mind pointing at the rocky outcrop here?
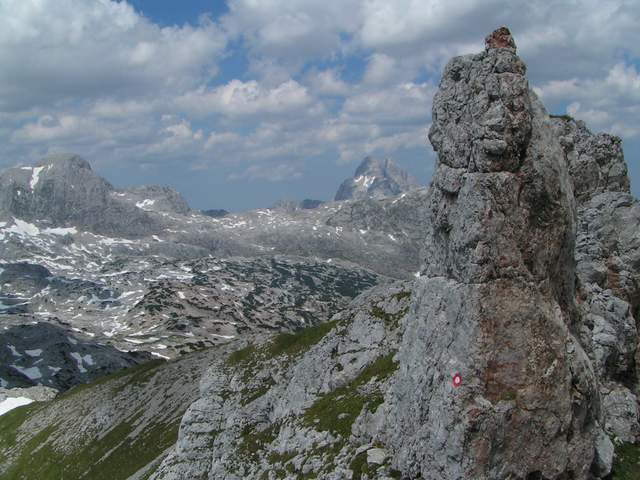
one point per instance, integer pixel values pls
(513, 356)
(495, 363)
(215, 213)
(157, 198)
(608, 269)
(117, 428)
(496, 302)
(375, 178)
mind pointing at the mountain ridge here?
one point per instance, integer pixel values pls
(375, 178)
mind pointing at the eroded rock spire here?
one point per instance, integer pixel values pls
(496, 303)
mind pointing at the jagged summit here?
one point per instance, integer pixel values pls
(375, 178)
(503, 360)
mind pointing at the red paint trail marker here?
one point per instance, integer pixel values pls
(457, 380)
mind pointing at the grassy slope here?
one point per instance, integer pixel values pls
(110, 429)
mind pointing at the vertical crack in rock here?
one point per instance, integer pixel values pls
(496, 301)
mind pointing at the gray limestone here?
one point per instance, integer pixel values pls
(375, 178)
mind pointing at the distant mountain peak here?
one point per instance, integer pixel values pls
(376, 177)
(62, 190)
(65, 160)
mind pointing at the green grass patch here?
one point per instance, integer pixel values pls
(627, 462)
(391, 320)
(253, 441)
(402, 295)
(249, 358)
(115, 456)
(9, 424)
(337, 410)
(295, 343)
(250, 394)
(244, 355)
(359, 466)
(138, 371)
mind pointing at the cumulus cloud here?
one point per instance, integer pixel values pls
(328, 82)
(238, 98)
(610, 102)
(309, 81)
(404, 103)
(70, 49)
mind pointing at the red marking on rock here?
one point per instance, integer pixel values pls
(457, 380)
(500, 38)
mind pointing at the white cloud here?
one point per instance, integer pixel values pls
(610, 102)
(238, 98)
(381, 69)
(293, 31)
(333, 79)
(52, 128)
(70, 49)
(401, 104)
(328, 82)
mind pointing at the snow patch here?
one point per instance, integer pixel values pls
(23, 228)
(34, 353)
(61, 231)
(35, 177)
(13, 402)
(145, 204)
(364, 180)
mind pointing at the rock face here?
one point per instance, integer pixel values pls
(173, 307)
(215, 213)
(63, 190)
(376, 178)
(154, 197)
(608, 274)
(513, 355)
(496, 302)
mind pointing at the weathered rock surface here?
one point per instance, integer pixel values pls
(100, 222)
(608, 270)
(376, 178)
(288, 407)
(63, 190)
(512, 356)
(496, 300)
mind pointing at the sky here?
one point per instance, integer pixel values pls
(240, 103)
